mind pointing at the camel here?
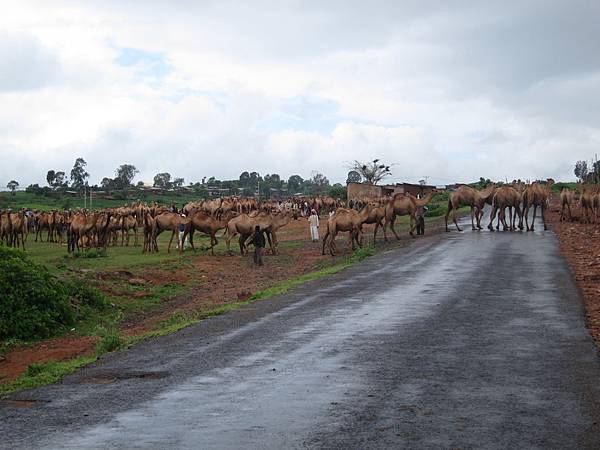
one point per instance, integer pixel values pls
(149, 227)
(402, 205)
(128, 223)
(596, 205)
(348, 220)
(244, 225)
(85, 225)
(167, 221)
(506, 197)
(467, 196)
(206, 224)
(5, 227)
(377, 217)
(536, 195)
(587, 206)
(567, 198)
(19, 229)
(45, 221)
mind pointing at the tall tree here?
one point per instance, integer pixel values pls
(60, 180)
(162, 180)
(50, 176)
(244, 179)
(581, 170)
(295, 183)
(178, 182)
(124, 175)
(372, 172)
(318, 183)
(13, 185)
(78, 174)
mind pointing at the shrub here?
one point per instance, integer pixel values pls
(34, 303)
(84, 294)
(109, 343)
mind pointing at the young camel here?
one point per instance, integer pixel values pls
(506, 197)
(402, 205)
(567, 198)
(348, 220)
(19, 229)
(467, 196)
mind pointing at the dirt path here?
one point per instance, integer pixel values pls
(580, 243)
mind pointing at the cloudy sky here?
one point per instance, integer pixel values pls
(451, 90)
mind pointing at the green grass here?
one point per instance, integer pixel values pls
(47, 203)
(46, 373)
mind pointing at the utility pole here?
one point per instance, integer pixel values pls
(90, 199)
(426, 178)
(84, 196)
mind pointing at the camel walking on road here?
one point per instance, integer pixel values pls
(404, 205)
(467, 196)
(536, 195)
(506, 197)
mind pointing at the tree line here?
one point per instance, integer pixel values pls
(249, 183)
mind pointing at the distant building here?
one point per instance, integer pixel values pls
(357, 191)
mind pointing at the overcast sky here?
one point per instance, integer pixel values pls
(451, 90)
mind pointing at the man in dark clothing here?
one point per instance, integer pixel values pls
(259, 243)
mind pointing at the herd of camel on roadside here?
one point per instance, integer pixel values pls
(238, 217)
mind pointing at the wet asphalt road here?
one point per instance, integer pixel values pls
(464, 340)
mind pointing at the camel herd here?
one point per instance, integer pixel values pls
(238, 217)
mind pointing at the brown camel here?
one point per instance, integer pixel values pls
(467, 196)
(205, 223)
(377, 217)
(90, 226)
(567, 198)
(596, 206)
(344, 220)
(5, 227)
(244, 225)
(536, 195)
(506, 197)
(587, 205)
(18, 229)
(129, 223)
(402, 205)
(167, 221)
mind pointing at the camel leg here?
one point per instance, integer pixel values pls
(492, 217)
(392, 224)
(473, 218)
(171, 241)
(533, 218)
(332, 245)
(454, 208)
(448, 214)
(413, 225)
(543, 208)
(325, 241)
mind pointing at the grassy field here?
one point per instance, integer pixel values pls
(47, 203)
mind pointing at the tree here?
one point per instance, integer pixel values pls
(60, 180)
(50, 176)
(162, 180)
(372, 172)
(317, 183)
(581, 170)
(295, 183)
(178, 182)
(353, 177)
(338, 191)
(124, 175)
(78, 174)
(106, 183)
(244, 179)
(13, 185)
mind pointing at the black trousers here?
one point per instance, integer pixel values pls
(258, 256)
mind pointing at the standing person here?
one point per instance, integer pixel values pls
(259, 243)
(181, 233)
(313, 221)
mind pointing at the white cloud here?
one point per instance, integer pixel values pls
(215, 88)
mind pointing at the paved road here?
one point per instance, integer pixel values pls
(465, 340)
